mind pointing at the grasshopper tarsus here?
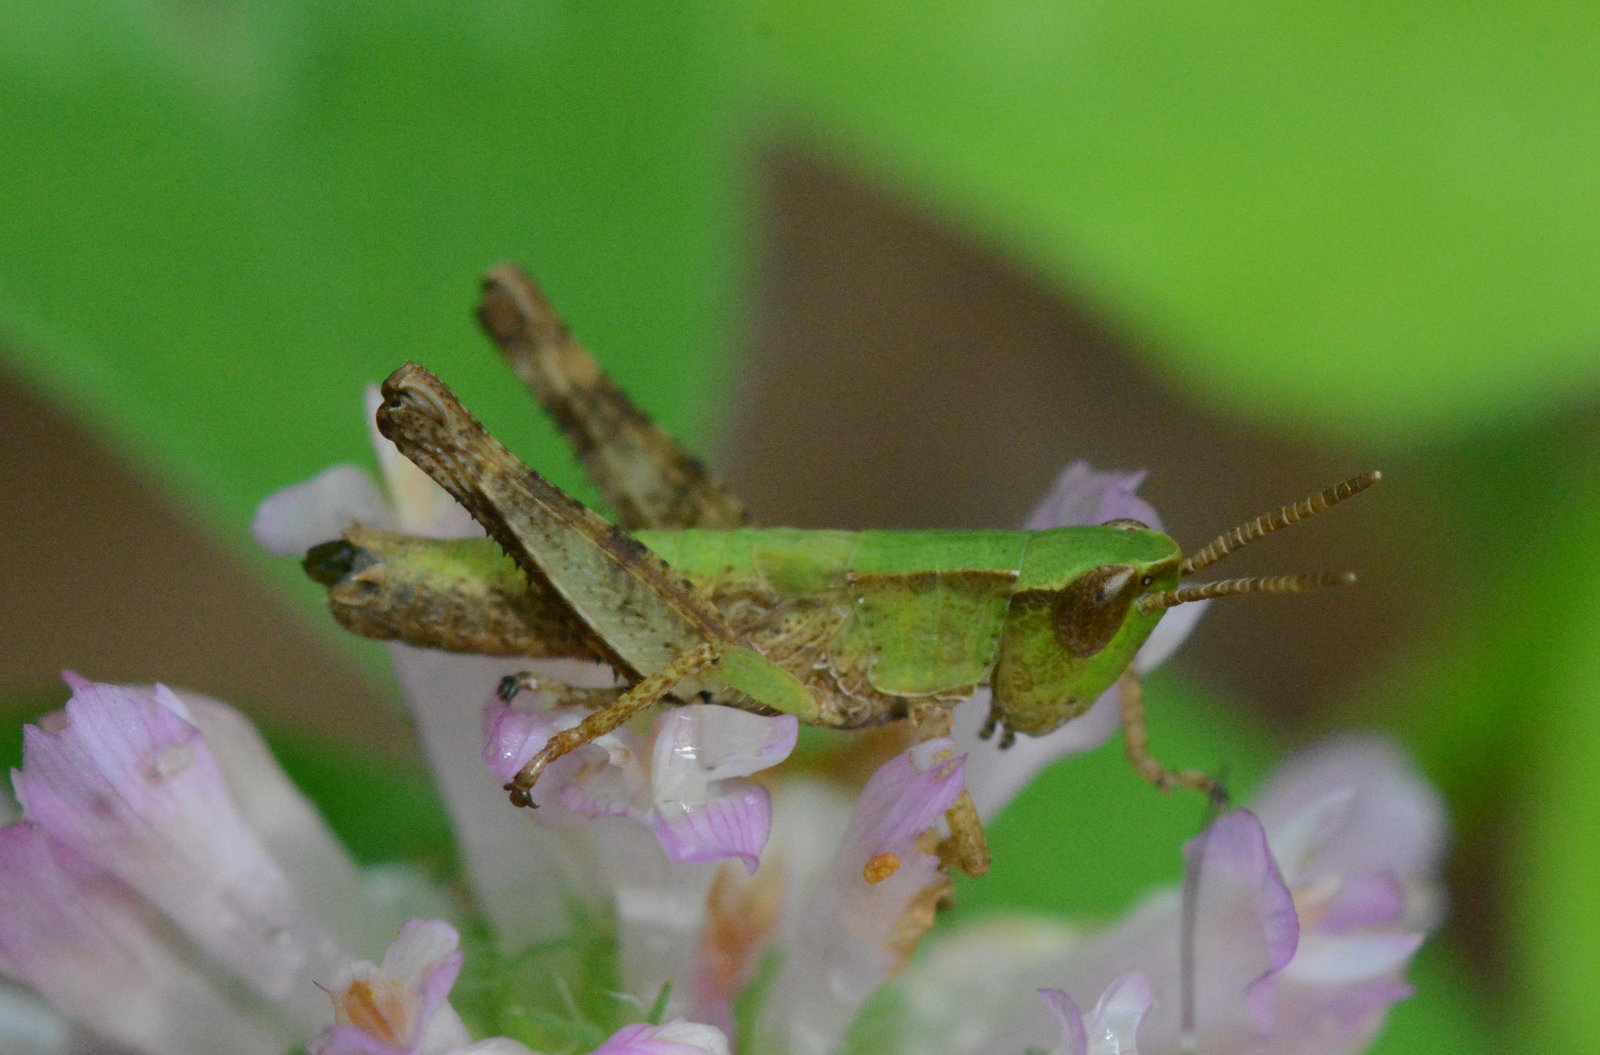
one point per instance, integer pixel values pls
(513, 685)
(521, 797)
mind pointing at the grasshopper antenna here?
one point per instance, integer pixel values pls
(1188, 1033)
(1245, 534)
(1201, 591)
(1288, 516)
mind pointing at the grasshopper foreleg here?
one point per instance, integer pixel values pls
(1136, 740)
(966, 847)
(649, 692)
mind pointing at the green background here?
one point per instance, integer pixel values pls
(1376, 222)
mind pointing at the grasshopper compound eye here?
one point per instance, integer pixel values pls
(1091, 610)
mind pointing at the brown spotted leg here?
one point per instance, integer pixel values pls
(1136, 739)
(966, 847)
(646, 694)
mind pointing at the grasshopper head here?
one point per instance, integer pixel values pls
(1093, 595)
(1075, 619)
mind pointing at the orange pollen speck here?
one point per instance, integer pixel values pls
(880, 867)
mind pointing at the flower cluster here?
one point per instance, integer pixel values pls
(168, 890)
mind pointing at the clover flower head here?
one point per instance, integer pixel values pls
(1304, 919)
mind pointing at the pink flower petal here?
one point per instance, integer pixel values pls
(127, 782)
(1306, 968)
(872, 904)
(1241, 889)
(1074, 1034)
(735, 823)
(698, 812)
(1374, 899)
(1394, 823)
(99, 953)
(513, 737)
(678, 1037)
(689, 794)
(905, 797)
(1083, 495)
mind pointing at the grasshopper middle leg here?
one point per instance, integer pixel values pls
(1136, 739)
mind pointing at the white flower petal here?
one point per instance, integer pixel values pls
(401, 1006)
(291, 521)
(29, 1025)
(699, 744)
(522, 872)
(1175, 626)
(496, 1046)
(954, 1009)
(1395, 823)
(1115, 1021)
(994, 776)
(1322, 960)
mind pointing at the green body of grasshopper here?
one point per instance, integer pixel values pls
(1047, 618)
(841, 629)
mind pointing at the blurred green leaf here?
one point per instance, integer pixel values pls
(1368, 218)
(1500, 707)
(222, 220)
(1445, 1015)
(382, 811)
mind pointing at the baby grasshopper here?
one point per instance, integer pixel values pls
(844, 629)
